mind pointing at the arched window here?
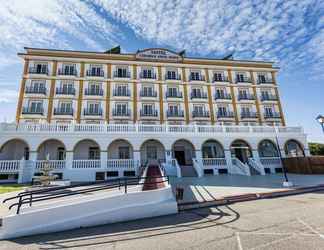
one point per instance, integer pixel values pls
(212, 149)
(294, 149)
(267, 149)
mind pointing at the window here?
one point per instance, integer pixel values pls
(96, 70)
(95, 88)
(122, 90)
(218, 76)
(40, 68)
(67, 87)
(121, 108)
(245, 110)
(93, 108)
(220, 93)
(243, 93)
(36, 106)
(26, 153)
(174, 109)
(172, 75)
(121, 72)
(94, 153)
(196, 92)
(147, 73)
(240, 77)
(261, 78)
(222, 111)
(148, 109)
(147, 91)
(38, 85)
(268, 111)
(172, 91)
(265, 95)
(198, 109)
(66, 107)
(69, 69)
(195, 75)
(124, 152)
(60, 153)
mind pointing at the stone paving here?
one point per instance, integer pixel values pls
(213, 187)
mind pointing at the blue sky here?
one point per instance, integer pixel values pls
(291, 33)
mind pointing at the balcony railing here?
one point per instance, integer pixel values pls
(197, 78)
(117, 112)
(224, 96)
(29, 110)
(170, 113)
(95, 73)
(246, 97)
(220, 79)
(172, 77)
(97, 92)
(274, 115)
(147, 76)
(62, 111)
(269, 98)
(243, 79)
(121, 74)
(148, 93)
(91, 112)
(53, 128)
(200, 114)
(246, 115)
(65, 91)
(265, 81)
(35, 90)
(35, 70)
(178, 94)
(117, 92)
(154, 113)
(202, 95)
(228, 114)
(67, 72)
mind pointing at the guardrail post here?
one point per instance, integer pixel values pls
(125, 186)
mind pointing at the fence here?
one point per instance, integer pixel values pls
(304, 165)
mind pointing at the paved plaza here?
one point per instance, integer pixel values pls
(213, 187)
(295, 222)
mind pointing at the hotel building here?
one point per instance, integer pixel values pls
(97, 115)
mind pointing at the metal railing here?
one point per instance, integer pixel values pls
(227, 114)
(35, 70)
(224, 96)
(220, 79)
(154, 113)
(121, 74)
(180, 113)
(202, 95)
(265, 81)
(172, 77)
(177, 94)
(89, 91)
(67, 72)
(46, 194)
(97, 112)
(35, 90)
(200, 114)
(245, 97)
(95, 73)
(62, 111)
(147, 76)
(246, 115)
(65, 91)
(269, 97)
(243, 79)
(117, 92)
(117, 112)
(197, 78)
(274, 115)
(148, 93)
(29, 110)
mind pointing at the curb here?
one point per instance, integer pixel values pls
(248, 197)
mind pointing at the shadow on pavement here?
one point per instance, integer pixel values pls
(132, 230)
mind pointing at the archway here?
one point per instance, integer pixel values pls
(183, 151)
(241, 150)
(120, 149)
(14, 149)
(267, 149)
(86, 150)
(51, 149)
(212, 149)
(152, 150)
(294, 149)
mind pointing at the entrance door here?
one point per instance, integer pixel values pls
(151, 153)
(241, 154)
(180, 156)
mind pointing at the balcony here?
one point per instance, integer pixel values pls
(243, 79)
(197, 78)
(227, 114)
(179, 113)
(67, 72)
(117, 112)
(92, 112)
(269, 97)
(154, 113)
(249, 115)
(147, 75)
(245, 97)
(220, 79)
(65, 91)
(37, 70)
(35, 90)
(148, 93)
(223, 96)
(121, 74)
(273, 115)
(62, 111)
(201, 95)
(124, 92)
(200, 114)
(95, 73)
(177, 94)
(265, 81)
(93, 92)
(33, 111)
(173, 77)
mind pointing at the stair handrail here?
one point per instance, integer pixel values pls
(198, 167)
(254, 164)
(242, 166)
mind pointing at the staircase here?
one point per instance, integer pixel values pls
(188, 171)
(256, 168)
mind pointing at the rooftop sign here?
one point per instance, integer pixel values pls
(158, 55)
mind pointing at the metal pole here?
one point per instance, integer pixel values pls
(280, 156)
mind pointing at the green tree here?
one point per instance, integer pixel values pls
(316, 148)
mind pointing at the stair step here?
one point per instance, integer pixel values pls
(188, 171)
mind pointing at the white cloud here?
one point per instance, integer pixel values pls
(8, 96)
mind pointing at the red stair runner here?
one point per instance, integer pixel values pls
(153, 175)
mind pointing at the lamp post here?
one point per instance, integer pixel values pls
(320, 120)
(286, 182)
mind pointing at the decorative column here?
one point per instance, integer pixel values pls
(229, 72)
(103, 159)
(185, 95)
(257, 104)
(79, 111)
(51, 94)
(68, 159)
(210, 98)
(137, 160)
(228, 157)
